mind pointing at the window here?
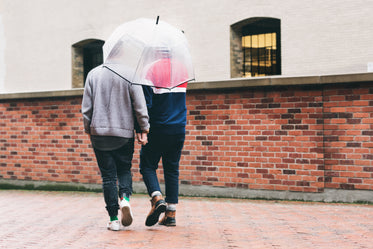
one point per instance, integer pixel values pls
(86, 55)
(256, 48)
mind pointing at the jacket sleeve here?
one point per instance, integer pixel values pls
(139, 108)
(87, 106)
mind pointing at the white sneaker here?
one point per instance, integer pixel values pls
(127, 216)
(113, 225)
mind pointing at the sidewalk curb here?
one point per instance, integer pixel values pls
(329, 195)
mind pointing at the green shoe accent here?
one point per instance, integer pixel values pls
(113, 218)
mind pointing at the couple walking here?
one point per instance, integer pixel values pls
(113, 111)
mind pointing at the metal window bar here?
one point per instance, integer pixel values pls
(259, 59)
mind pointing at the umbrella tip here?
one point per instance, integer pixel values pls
(157, 20)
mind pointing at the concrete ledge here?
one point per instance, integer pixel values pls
(43, 94)
(346, 78)
(221, 85)
(281, 81)
(329, 195)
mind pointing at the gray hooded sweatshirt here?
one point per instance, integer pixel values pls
(112, 105)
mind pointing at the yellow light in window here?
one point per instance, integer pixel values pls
(261, 40)
(274, 40)
(246, 41)
(255, 41)
(268, 39)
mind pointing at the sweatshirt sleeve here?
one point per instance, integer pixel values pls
(87, 106)
(139, 108)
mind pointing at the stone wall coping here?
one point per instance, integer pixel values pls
(220, 85)
(42, 94)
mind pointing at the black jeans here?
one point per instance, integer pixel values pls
(115, 166)
(167, 147)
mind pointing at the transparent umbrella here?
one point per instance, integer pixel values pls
(149, 52)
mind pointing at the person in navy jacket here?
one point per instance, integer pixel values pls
(167, 117)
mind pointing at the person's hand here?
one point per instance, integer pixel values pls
(142, 138)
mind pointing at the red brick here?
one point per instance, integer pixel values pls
(45, 128)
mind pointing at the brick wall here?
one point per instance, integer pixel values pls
(301, 138)
(258, 139)
(348, 136)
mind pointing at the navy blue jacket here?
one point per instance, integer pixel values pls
(167, 109)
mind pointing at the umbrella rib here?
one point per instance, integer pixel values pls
(117, 74)
(169, 88)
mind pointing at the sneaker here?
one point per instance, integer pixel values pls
(127, 216)
(158, 207)
(113, 225)
(168, 219)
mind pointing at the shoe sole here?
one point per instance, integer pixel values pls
(154, 217)
(168, 224)
(126, 216)
(110, 229)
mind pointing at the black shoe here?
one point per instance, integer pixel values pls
(168, 219)
(158, 207)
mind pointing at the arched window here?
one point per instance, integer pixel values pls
(256, 47)
(86, 55)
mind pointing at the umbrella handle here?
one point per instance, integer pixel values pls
(157, 20)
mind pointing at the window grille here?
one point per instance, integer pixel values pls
(261, 48)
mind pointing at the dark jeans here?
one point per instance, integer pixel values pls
(115, 165)
(167, 147)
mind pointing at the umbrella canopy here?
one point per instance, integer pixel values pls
(148, 52)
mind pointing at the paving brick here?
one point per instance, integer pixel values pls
(40, 219)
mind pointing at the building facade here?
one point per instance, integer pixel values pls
(43, 44)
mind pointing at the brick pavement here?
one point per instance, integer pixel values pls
(33, 219)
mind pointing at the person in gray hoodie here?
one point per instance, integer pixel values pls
(112, 110)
